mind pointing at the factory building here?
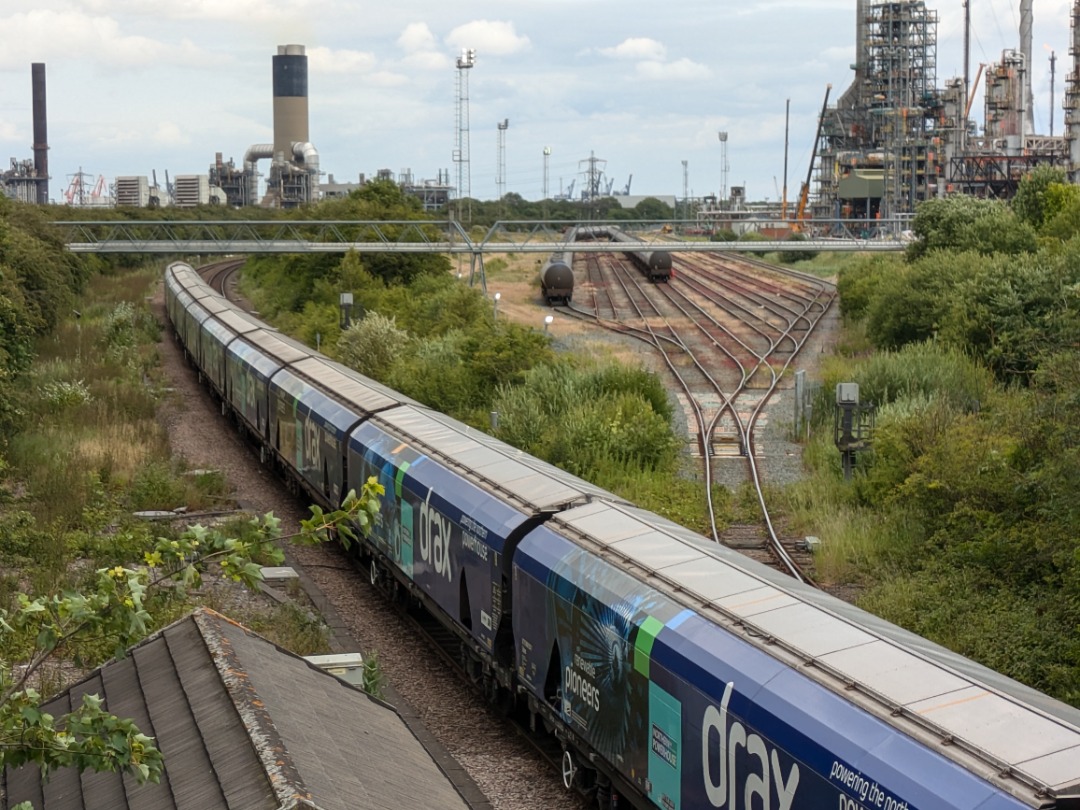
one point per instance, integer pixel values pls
(293, 177)
(894, 138)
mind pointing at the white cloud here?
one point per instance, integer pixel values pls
(680, 69)
(417, 37)
(637, 48)
(488, 37)
(46, 34)
(246, 12)
(169, 133)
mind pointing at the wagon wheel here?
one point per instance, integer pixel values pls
(569, 770)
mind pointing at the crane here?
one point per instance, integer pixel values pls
(804, 192)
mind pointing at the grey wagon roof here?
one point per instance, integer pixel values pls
(242, 724)
(531, 482)
(930, 693)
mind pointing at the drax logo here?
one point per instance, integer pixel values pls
(435, 540)
(760, 771)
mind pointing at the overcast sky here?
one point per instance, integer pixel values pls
(138, 85)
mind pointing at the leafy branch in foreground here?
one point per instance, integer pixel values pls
(115, 609)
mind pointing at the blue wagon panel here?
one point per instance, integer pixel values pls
(247, 381)
(694, 714)
(214, 338)
(445, 533)
(310, 430)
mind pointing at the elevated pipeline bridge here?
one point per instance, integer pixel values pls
(314, 236)
(249, 237)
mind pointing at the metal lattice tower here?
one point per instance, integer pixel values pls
(465, 62)
(500, 166)
(594, 177)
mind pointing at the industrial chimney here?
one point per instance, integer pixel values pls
(41, 133)
(1026, 24)
(290, 100)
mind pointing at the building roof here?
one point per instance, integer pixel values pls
(243, 725)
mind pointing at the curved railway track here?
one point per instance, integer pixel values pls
(726, 330)
(222, 276)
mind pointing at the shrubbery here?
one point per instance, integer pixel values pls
(961, 519)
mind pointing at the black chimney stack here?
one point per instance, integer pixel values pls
(41, 132)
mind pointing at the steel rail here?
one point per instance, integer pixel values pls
(790, 318)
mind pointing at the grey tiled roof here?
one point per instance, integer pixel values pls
(243, 725)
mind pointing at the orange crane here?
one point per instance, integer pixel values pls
(804, 192)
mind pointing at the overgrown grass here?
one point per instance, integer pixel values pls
(91, 451)
(88, 427)
(826, 264)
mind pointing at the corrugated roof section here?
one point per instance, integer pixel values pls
(243, 725)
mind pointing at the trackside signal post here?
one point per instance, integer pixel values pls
(854, 426)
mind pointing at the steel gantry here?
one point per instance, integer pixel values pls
(446, 237)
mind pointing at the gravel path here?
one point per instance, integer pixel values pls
(508, 773)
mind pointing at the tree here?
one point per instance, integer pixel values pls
(966, 223)
(653, 209)
(115, 609)
(1030, 203)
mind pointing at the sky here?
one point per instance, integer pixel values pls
(137, 86)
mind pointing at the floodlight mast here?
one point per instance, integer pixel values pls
(723, 167)
(500, 159)
(465, 62)
(547, 160)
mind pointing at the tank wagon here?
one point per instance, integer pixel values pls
(655, 264)
(674, 672)
(557, 278)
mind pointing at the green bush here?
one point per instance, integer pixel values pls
(372, 345)
(796, 256)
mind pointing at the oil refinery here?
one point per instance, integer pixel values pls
(896, 135)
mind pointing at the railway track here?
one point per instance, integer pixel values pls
(726, 330)
(222, 276)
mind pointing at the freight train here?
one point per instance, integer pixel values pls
(557, 274)
(675, 673)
